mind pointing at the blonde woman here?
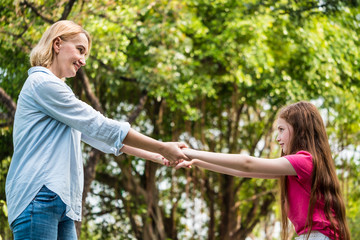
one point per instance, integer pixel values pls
(45, 180)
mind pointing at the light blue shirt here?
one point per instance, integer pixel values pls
(50, 123)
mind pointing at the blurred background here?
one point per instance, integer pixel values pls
(210, 73)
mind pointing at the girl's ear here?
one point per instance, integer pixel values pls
(57, 45)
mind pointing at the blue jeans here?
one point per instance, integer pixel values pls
(44, 218)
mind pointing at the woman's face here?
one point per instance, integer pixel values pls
(285, 131)
(69, 55)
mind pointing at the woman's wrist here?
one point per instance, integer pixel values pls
(162, 148)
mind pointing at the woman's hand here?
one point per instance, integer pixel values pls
(173, 153)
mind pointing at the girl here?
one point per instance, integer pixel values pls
(45, 180)
(310, 189)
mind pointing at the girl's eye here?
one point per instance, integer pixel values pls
(80, 50)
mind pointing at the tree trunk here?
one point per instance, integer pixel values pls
(10, 105)
(153, 222)
(89, 176)
(227, 203)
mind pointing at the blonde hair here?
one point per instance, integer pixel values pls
(43, 53)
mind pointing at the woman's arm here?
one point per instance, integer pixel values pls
(223, 170)
(170, 150)
(248, 164)
(154, 157)
(57, 101)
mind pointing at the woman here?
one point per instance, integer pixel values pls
(310, 190)
(45, 180)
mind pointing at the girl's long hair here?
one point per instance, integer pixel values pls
(310, 135)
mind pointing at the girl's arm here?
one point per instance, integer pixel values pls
(248, 164)
(224, 170)
(137, 152)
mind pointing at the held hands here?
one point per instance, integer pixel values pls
(172, 152)
(187, 163)
(174, 156)
(181, 164)
(193, 159)
(157, 158)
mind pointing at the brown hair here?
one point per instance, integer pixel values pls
(309, 134)
(43, 53)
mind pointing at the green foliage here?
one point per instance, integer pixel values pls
(214, 73)
(6, 151)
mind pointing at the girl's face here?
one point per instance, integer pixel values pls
(285, 131)
(69, 55)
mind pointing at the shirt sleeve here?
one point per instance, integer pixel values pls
(302, 163)
(57, 100)
(100, 145)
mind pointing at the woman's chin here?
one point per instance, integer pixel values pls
(70, 75)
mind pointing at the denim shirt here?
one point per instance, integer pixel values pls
(50, 123)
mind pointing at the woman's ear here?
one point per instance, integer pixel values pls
(57, 45)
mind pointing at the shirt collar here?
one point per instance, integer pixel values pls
(40, 69)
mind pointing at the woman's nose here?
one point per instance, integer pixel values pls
(82, 61)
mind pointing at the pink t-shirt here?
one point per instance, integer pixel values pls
(298, 188)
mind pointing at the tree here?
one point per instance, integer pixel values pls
(211, 73)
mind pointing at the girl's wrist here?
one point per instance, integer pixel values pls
(195, 162)
(190, 153)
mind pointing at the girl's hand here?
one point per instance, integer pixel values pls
(166, 162)
(184, 164)
(161, 160)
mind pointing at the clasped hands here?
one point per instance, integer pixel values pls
(174, 155)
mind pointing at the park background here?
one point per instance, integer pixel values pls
(211, 73)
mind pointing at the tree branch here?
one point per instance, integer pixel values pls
(253, 219)
(19, 36)
(89, 176)
(254, 197)
(67, 9)
(109, 68)
(138, 107)
(3, 125)
(37, 12)
(8, 103)
(89, 94)
(127, 207)
(311, 6)
(94, 156)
